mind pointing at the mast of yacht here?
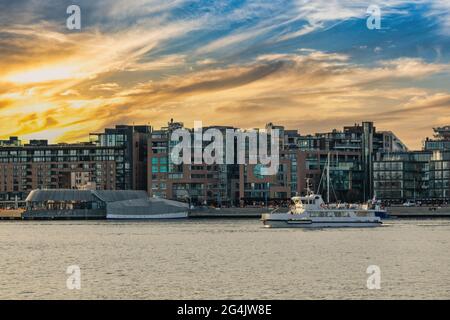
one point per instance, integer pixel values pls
(328, 178)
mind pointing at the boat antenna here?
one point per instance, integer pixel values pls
(308, 186)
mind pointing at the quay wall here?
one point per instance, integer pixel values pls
(424, 211)
(76, 214)
(230, 212)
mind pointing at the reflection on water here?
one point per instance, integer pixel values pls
(222, 259)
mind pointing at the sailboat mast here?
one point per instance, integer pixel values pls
(328, 178)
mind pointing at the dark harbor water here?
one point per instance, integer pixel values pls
(222, 259)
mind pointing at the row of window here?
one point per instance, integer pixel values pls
(159, 160)
(60, 159)
(59, 152)
(160, 169)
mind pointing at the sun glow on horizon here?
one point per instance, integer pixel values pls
(46, 74)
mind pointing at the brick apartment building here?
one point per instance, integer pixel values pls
(38, 165)
(113, 160)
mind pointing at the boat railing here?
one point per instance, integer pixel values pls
(274, 210)
(342, 206)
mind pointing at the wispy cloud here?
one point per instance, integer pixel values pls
(111, 86)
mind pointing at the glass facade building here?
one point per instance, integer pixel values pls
(440, 175)
(134, 141)
(402, 176)
(416, 175)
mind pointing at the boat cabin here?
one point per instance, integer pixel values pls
(309, 202)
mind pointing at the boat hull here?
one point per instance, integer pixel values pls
(382, 214)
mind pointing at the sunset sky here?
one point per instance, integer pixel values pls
(308, 65)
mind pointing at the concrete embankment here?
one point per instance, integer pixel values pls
(77, 214)
(228, 212)
(394, 212)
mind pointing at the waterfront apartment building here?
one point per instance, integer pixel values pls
(416, 175)
(355, 148)
(217, 184)
(39, 165)
(133, 139)
(351, 151)
(199, 183)
(115, 159)
(401, 176)
(298, 165)
(439, 175)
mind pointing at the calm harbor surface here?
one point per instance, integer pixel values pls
(222, 259)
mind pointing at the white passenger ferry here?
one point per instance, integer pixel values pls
(310, 211)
